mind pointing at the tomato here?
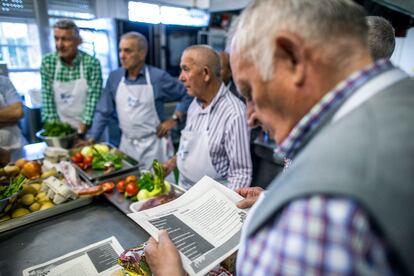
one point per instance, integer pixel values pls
(120, 186)
(77, 157)
(108, 186)
(131, 189)
(88, 160)
(131, 178)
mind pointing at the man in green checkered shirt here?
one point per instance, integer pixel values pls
(71, 80)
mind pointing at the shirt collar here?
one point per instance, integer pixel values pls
(326, 107)
(222, 90)
(140, 74)
(76, 61)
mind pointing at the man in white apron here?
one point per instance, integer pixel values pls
(71, 80)
(10, 113)
(137, 93)
(138, 120)
(215, 141)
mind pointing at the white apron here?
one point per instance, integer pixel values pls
(70, 97)
(193, 157)
(10, 135)
(138, 120)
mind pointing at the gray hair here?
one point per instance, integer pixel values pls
(208, 56)
(140, 38)
(330, 25)
(381, 37)
(67, 24)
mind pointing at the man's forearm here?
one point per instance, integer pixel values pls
(11, 114)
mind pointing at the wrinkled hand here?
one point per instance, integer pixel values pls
(170, 165)
(163, 257)
(165, 127)
(250, 194)
(252, 119)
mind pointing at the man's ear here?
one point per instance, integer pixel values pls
(207, 73)
(291, 49)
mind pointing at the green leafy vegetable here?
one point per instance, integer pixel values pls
(159, 176)
(57, 129)
(100, 160)
(146, 181)
(14, 187)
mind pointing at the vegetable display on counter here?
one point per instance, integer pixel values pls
(33, 190)
(149, 185)
(57, 129)
(98, 157)
(153, 184)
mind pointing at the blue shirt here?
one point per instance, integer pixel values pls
(166, 89)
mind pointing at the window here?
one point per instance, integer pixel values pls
(20, 50)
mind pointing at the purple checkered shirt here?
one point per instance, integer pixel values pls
(319, 235)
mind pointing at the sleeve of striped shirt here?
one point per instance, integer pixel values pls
(237, 146)
(94, 79)
(49, 112)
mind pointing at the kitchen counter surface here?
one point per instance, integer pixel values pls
(47, 239)
(43, 240)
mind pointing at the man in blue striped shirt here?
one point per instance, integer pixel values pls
(215, 141)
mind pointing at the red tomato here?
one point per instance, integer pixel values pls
(120, 186)
(108, 186)
(77, 157)
(88, 160)
(131, 189)
(131, 178)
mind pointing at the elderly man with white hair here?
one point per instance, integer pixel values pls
(215, 140)
(338, 116)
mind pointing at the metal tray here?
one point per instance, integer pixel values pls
(129, 165)
(39, 215)
(119, 200)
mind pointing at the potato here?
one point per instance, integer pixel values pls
(20, 212)
(27, 199)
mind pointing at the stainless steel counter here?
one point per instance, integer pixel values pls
(53, 237)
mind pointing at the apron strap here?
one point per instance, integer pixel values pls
(81, 70)
(58, 66)
(147, 76)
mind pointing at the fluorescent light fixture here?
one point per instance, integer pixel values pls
(81, 15)
(152, 13)
(143, 12)
(182, 16)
